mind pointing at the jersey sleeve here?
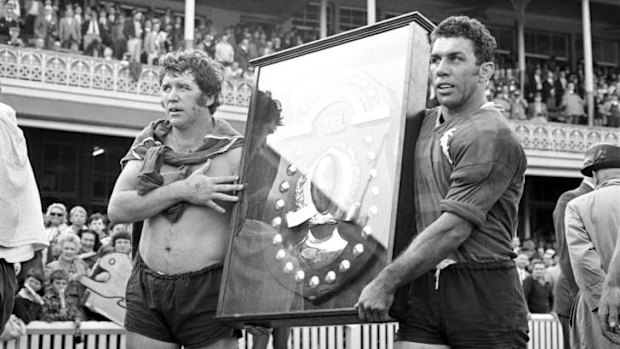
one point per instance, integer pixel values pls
(486, 163)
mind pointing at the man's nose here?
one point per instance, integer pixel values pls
(442, 67)
(173, 95)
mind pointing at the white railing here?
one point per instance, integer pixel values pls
(57, 68)
(84, 72)
(559, 137)
(545, 333)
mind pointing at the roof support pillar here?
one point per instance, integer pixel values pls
(587, 57)
(190, 14)
(520, 6)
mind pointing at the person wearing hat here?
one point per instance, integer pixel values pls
(28, 302)
(591, 223)
(566, 288)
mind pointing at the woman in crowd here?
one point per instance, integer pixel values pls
(56, 216)
(70, 263)
(90, 243)
(67, 260)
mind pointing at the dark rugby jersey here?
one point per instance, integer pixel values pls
(473, 166)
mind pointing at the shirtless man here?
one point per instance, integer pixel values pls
(178, 177)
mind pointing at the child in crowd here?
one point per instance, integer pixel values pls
(28, 302)
(99, 223)
(57, 306)
(122, 242)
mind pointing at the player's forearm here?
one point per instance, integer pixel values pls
(429, 248)
(128, 206)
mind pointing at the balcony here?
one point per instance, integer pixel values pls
(556, 149)
(97, 74)
(63, 91)
(565, 138)
(103, 93)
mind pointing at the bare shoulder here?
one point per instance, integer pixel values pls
(232, 159)
(129, 175)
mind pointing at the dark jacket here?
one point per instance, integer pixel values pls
(566, 288)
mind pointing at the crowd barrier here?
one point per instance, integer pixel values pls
(545, 333)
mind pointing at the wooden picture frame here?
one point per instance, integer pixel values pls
(323, 162)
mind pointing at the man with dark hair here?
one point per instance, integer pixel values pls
(177, 177)
(462, 285)
(538, 291)
(121, 242)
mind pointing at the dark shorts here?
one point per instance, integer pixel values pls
(475, 306)
(175, 308)
(8, 289)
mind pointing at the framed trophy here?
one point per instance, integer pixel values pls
(327, 162)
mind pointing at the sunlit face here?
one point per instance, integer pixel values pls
(87, 241)
(522, 261)
(78, 218)
(34, 283)
(455, 74)
(57, 217)
(59, 284)
(538, 270)
(68, 251)
(97, 225)
(122, 246)
(183, 100)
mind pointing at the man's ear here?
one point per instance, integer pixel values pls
(487, 69)
(209, 100)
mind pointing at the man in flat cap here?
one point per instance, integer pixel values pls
(591, 223)
(566, 288)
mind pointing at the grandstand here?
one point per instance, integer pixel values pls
(79, 113)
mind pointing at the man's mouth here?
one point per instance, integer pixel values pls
(174, 109)
(444, 86)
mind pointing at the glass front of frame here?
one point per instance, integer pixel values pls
(321, 166)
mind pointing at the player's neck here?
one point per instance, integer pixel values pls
(187, 138)
(472, 104)
(449, 113)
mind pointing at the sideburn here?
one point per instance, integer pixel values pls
(202, 100)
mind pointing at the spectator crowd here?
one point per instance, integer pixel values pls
(552, 92)
(52, 291)
(539, 272)
(115, 31)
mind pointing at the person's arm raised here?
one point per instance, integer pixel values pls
(197, 189)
